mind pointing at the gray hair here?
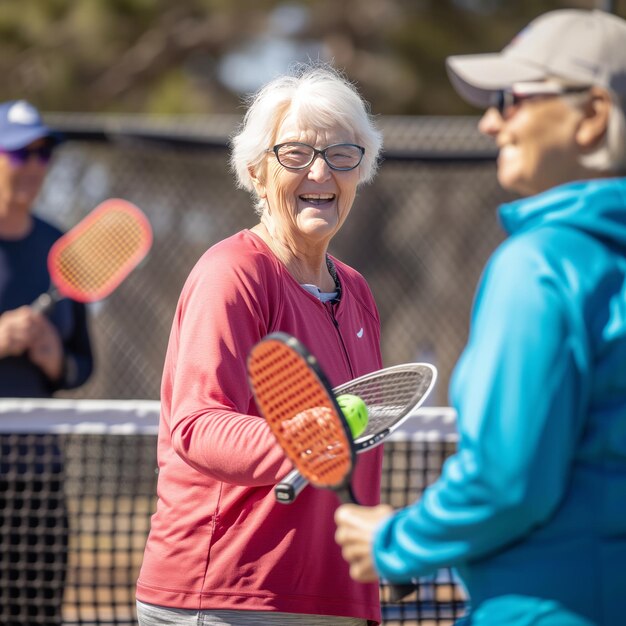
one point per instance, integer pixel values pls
(320, 97)
(610, 155)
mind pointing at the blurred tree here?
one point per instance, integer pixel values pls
(199, 56)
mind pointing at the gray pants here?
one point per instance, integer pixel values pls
(153, 615)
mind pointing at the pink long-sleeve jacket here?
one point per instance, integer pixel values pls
(218, 538)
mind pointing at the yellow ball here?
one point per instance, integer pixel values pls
(355, 412)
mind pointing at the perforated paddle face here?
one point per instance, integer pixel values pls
(297, 403)
(91, 260)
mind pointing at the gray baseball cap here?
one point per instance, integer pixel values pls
(579, 47)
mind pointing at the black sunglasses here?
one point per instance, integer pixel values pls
(342, 157)
(20, 156)
(506, 99)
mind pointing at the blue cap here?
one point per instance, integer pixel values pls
(21, 124)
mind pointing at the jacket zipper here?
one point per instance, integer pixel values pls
(330, 307)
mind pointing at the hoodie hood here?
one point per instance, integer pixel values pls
(597, 206)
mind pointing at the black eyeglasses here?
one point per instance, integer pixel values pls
(21, 156)
(506, 100)
(342, 157)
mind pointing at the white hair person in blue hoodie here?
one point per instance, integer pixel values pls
(531, 510)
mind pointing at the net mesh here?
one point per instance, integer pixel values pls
(420, 233)
(77, 489)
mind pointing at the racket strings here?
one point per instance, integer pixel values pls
(300, 413)
(95, 256)
(390, 396)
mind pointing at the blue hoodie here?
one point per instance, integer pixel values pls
(531, 510)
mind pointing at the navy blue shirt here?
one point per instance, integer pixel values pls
(23, 277)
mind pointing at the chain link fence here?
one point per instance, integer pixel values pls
(420, 233)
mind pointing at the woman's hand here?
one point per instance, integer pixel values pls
(355, 532)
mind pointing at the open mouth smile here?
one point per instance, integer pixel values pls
(317, 198)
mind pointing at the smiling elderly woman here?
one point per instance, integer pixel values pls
(532, 508)
(221, 550)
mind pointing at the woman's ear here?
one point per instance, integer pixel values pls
(259, 187)
(595, 120)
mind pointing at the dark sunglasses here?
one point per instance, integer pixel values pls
(21, 156)
(506, 100)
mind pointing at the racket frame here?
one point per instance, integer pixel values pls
(288, 489)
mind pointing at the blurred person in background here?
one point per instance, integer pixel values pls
(39, 354)
(221, 550)
(531, 510)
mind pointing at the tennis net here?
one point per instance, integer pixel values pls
(77, 488)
